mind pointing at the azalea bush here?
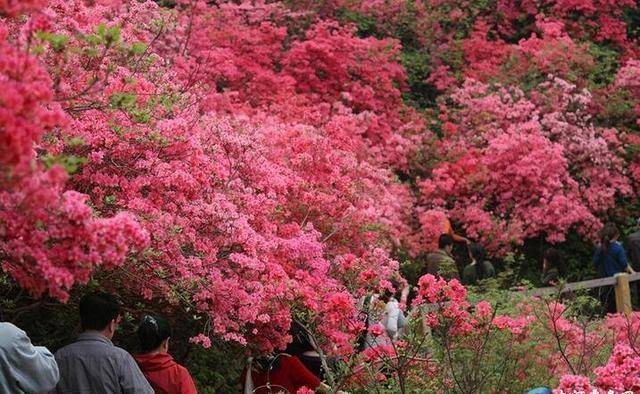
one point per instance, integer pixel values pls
(137, 148)
(504, 344)
(240, 165)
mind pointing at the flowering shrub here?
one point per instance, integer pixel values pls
(251, 163)
(513, 168)
(229, 188)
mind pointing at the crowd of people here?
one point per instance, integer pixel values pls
(93, 364)
(442, 263)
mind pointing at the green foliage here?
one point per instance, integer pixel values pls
(218, 369)
(57, 42)
(128, 103)
(107, 35)
(71, 163)
(421, 94)
(606, 65)
(138, 48)
(74, 142)
(366, 24)
(632, 17)
(410, 269)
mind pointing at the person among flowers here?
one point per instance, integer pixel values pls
(304, 347)
(447, 228)
(610, 259)
(279, 373)
(386, 319)
(441, 262)
(164, 374)
(480, 268)
(92, 364)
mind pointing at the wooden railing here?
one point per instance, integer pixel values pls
(620, 281)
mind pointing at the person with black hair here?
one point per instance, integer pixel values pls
(551, 268)
(479, 268)
(24, 368)
(610, 258)
(93, 364)
(303, 347)
(386, 312)
(165, 375)
(441, 262)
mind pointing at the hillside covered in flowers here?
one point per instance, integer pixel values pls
(241, 165)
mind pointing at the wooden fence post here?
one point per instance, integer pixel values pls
(623, 293)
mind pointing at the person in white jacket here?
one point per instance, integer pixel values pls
(393, 320)
(390, 316)
(24, 368)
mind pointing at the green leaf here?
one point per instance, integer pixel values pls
(37, 50)
(138, 48)
(75, 141)
(112, 35)
(70, 163)
(93, 39)
(58, 42)
(101, 29)
(121, 100)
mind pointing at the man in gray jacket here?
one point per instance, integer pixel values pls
(24, 368)
(93, 364)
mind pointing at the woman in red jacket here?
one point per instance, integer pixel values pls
(163, 373)
(282, 373)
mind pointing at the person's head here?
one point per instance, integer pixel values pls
(608, 234)
(300, 342)
(477, 254)
(551, 259)
(154, 333)
(100, 312)
(395, 292)
(445, 242)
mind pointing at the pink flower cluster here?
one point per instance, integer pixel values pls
(213, 160)
(517, 167)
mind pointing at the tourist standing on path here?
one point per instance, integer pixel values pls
(163, 373)
(479, 268)
(610, 259)
(386, 312)
(24, 367)
(93, 364)
(441, 262)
